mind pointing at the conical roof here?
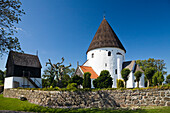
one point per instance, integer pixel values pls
(105, 37)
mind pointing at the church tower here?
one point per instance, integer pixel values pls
(106, 52)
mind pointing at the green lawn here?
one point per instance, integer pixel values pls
(17, 105)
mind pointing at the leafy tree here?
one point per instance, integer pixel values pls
(149, 72)
(87, 80)
(104, 80)
(138, 74)
(10, 13)
(120, 83)
(125, 73)
(158, 64)
(158, 78)
(2, 76)
(76, 79)
(48, 78)
(168, 79)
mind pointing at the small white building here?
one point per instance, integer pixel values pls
(106, 52)
(23, 70)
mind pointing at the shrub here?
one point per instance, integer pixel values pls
(125, 73)
(77, 79)
(104, 80)
(120, 83)
(87, 80)
(72, 86)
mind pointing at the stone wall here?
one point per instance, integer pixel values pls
(88, 99)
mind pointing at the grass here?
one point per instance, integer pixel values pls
(17, 105)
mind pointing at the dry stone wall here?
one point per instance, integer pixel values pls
(88, 99)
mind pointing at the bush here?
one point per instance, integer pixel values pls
(72, 86)
(87, 80)
(104, 80)
(120, 83)
(77, 79)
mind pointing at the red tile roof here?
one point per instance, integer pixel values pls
(89, 69)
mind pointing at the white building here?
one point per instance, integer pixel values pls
(23, 70)
(106, 52)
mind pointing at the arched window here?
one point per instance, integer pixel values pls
(105, 64)
(92, 55)
(109, 53)
(115, 71)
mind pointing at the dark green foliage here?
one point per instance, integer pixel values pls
(120, 83)
(168, 78)
(125, 73)
(104, 80)
(138, 74)
(2, 76)
(49, 78)
(158, 64)
(157, 78)
(87, 80)
(76, 79)
(10, 14)
(149, 72)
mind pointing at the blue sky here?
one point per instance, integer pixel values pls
(65, 28)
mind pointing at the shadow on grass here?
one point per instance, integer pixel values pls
(81, 110)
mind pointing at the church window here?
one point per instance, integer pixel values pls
(115, 71)
(109, 53)
(92, 55)
(105, 64)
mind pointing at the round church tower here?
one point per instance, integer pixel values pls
(106, 52)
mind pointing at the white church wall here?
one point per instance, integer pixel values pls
(119, 65)
(8, 82)
(130, 81)
(101, 61)
(141, 82)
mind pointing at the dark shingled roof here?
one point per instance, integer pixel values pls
(22, 59)
(130, 64)
(105, 37)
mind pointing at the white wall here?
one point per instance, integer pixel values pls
(101, 58)
(8, 82)
(130, 81)
(22, 81)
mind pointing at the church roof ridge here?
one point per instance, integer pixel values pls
(105, 37)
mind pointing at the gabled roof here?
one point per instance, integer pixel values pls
(90, 70)
(22, 59)
(105, 37)
(132, 66)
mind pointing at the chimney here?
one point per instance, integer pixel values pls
(77, 63)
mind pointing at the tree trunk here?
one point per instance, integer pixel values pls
(125, 84)
(137, 84)
(148, 83)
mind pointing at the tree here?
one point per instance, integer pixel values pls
(168, 79)
(125, 73)
(76, 79)
(158, 64)
(104, 80)
(87, 80)
(2, 76)
(120, 83)
(10, 13)
(158, 78)
(149, 72)
(138, 74)
(48, 78)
